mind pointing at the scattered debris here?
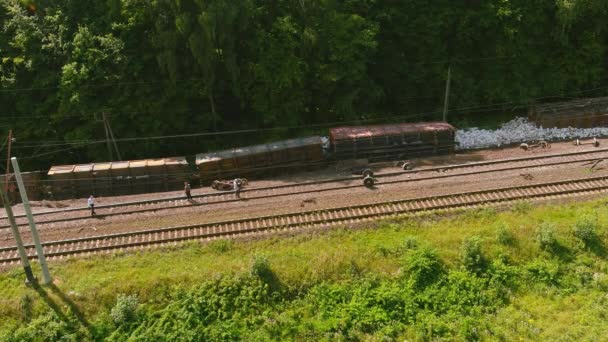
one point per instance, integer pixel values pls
(593, 142)
(369, 181)
(535, 144)
(527, 176)
(308, 201)
(228, 185)
(405, 165)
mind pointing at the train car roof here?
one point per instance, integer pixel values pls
(257, 149)
(355, 132)
(118, 165)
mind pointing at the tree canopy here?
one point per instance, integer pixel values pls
(171, 67)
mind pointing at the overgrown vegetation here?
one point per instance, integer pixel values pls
(541, 275)
(170, 67)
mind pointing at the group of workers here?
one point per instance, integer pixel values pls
(236, 186)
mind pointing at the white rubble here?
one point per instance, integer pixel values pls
(520, 130)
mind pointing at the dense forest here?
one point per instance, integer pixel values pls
(278, 68)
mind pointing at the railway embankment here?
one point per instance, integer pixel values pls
(531, 273)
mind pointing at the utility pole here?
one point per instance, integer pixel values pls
(110, 136)
(46, 276)
(105, 127)
(29, 275)
(446, 100)
(8, 160)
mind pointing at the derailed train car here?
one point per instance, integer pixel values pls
(396, 141)
(116, 178)
(377, 142)
(259, 160)
(583, 113)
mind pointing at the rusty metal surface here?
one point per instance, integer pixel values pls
(583, 113)
(358, 132)
(117, 178)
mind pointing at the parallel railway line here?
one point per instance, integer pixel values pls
(309, 219)
(438, 172)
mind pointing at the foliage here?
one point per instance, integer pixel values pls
(422, 267)
(470, 255)
(545, 237)
(125, 309)
(48, 327)
(585, 229)
(428, 285)
(170, 67)
(504, 235)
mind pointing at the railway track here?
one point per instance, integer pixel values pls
(309, 219)
(323, 186)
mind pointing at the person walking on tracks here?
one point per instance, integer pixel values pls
(187, 190)
(91, 205)
(237, 184)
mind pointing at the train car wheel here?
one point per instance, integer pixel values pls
(408, 166)
(368, 173)
(368, 182)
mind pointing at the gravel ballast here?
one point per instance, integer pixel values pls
(520, 130)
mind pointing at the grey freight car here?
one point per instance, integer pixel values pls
(260, 159)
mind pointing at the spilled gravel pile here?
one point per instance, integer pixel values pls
(520, 130)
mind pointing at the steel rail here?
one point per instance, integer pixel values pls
(315, 218)
(344, 187)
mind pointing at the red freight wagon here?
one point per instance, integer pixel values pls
(393, 141)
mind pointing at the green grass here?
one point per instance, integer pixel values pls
(550, 294)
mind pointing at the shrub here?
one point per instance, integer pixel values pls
(503, 235)
(471, 256)
(544, 271)
(260, 267)
(423, 267)
(125, 309)
(585, 230)
(410, 242)
(221, 246)
(522, 207)
(545, 236)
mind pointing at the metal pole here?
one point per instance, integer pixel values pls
(447, 94)
(46, 276)
(29, 275)
(112, 137)
(105, 126)
(8, 158)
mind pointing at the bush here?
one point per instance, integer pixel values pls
(423, 267)
(545, 237)
(471, 256)
(522, 207)
(585, 230)
(221, 246)
(125, 309)
(503, 235)
(544, 271)
(260, 267)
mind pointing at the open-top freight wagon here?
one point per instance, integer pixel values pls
(377, 142)
(259, 160)
(584, 113)
(117, 178)
(396, 141)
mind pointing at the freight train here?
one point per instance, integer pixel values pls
(375, 143)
